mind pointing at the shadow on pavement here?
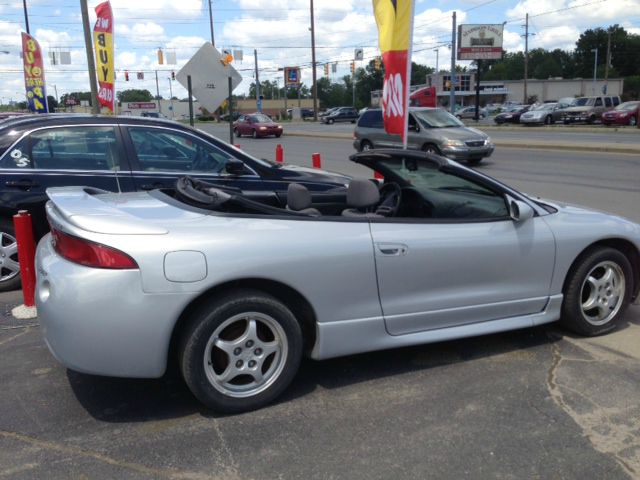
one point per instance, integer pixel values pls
(138, 400)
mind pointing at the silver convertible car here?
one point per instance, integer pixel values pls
(237, 291)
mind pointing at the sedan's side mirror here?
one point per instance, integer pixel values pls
(234, 167)
(519, 211)
(414, 128)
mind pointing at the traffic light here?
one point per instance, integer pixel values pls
(160, 57)
(377, 63)
(326, 69)
(126, 75)
(173, 75)
(353, 67)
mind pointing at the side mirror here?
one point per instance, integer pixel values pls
(519, 211)
(414, 128)
(234, 167)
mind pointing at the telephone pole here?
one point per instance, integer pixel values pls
(607, 62)
(95, 108)
(526, 57)
(452, 90)
(211, 24)
(313, 66)
(258, 99)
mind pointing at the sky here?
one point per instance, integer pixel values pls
(279, 30)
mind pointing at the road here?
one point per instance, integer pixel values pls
(534, 403)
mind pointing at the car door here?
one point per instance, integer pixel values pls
(161, 155)
(89, 155)
(471, 264)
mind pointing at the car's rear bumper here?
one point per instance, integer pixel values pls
(87, 331)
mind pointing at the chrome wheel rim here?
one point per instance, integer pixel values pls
(602, 293)
(245, 355)
(9, 266)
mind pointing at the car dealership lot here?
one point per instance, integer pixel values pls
(530, 403)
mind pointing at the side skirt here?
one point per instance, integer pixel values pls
(347, 337)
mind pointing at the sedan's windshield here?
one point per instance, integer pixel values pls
(544, 106)
(260, 118)
(436, 118)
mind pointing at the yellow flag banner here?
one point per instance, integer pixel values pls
(103, 44)
(395, 24)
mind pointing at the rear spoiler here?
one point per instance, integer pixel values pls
(83, 208)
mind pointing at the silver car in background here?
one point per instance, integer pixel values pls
(546, 113)
(432, 130)
(237, 291)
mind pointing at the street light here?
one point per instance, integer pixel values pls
(595, 69)
(437, 50)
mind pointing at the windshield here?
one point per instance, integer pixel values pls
(436, 118)
(626, 106)
(260, 118)
(583, 101)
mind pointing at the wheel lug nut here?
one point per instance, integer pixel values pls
(237, 351)
(249, 343)
(239, 364)
(258, 351)
(252, 364)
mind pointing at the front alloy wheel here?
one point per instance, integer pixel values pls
(240, 351)
(597, 291)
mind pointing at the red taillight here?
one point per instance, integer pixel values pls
(89, 253)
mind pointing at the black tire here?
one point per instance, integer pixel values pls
(474, 161)
(278, 135)
(365, 145)
(219, 317)
(633, 121)
(237, 133)
(548, 120)
(430, 148)
(591, 120)
(254, 133)
(330, 121)
(9, 267)
(607, 294)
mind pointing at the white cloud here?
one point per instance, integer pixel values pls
(141, 32)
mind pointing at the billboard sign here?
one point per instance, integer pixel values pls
(480, 42)
(292, 76)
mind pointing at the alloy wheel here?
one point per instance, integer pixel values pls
(602, 293)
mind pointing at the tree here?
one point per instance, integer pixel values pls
(52, 103)
(76, 96)
(419, 73)
(134, 95)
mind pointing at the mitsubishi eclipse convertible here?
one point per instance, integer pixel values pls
(237, 290)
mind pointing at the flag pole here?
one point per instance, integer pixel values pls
(407, 87)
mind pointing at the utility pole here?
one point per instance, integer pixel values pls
(258, 99)
(437, 50)
(608, 61)
(313, 65)
(526, 57)
(158, 94)
(26, 16)
(595, 70)
(171, 96)
(95, 108)
(211, 24)
(452, 91)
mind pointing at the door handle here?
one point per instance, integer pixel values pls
(392, 249)
(22, 184)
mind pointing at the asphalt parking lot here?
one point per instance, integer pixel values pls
(535, 403)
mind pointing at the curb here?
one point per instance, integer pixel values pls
(605, 148)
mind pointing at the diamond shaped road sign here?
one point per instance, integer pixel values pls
(209, 77)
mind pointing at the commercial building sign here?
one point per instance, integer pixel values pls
(480, 42)
(141, 105)
(34, 74)
(292, 76)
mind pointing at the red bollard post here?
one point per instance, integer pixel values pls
(26, 255)
(315, 160)
(378, 176)
(279, 153)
